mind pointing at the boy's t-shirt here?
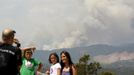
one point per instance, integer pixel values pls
(28, 66)
(53, 69)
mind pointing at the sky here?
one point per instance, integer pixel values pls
(54, 24)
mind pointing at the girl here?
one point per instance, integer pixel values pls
(67, 66)
(55, 67)
(29, 63)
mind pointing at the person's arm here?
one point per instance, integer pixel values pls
(74, 70)
(19, 59)
(47, 72)
(59, 71)
(39, 67)
(28, 48)
(16, 41)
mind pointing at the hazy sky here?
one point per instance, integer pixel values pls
(50, 24)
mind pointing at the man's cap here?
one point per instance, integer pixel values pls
(8, 32)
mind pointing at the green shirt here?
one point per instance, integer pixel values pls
(28, 67)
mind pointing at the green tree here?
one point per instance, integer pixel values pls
(86, 68)
(84, 59)
(82, 65)
(81, 69)
(94, 67)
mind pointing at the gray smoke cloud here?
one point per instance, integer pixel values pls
(100, 22)
(114, 57)
(51, 24)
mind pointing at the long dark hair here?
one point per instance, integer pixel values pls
(55, 54)
(69, 61)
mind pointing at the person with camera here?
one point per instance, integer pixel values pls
(10, 56)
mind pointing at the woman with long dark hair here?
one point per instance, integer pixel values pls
(67, 66)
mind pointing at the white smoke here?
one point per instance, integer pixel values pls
(76, 39)
(102, 21)
(69, 23)
(114, 57)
